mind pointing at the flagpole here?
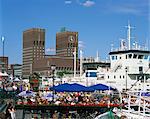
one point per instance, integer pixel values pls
(3, 39)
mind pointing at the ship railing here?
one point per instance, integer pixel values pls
(132, 48)
(117, 65)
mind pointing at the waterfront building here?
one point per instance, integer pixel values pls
(66, 43)
(16, 70)
(4, 63)
(35, 59)
(43, 66)
(33, 48)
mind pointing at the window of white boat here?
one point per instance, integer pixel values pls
(114, 77)
(108, 77)
(120, 76)
(140, 57)
(141, 69)
(130, 56)
(113, 57)
(146, 57)
(135, 56)
(123, 76)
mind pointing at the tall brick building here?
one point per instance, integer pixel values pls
(34, 58)
(33, 48)
(66, 42)
(4, 64)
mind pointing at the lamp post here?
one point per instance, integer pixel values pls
(3, 40)
(87, 80)
(53, 67)
(126, 69)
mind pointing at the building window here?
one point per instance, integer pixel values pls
(113, 57)
(140, 57)
(116, 57)
(114, 77)
(135, 56)
(123, 77)
(146, 57)
(120, 77)
(108, 77)
(141, 69)
(130, 56)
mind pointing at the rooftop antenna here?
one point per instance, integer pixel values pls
(63, 29)
(122, 44)
(97, 56)
(129, 35)
(112, 47)
(146, 44)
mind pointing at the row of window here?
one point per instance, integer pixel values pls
(119, 77)
(38, 43)
(131, 56)
(64, 68)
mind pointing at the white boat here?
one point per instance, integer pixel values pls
(128, 65)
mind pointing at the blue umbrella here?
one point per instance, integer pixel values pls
(50, 96)
(101, 87)
(71, 88)
(78, 88)
(61, 88)
(26, 94)
(145, 94)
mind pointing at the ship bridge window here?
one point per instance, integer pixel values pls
(113, 57)
(135, 56)
(130, 56)
(140, 57)
(146, 57)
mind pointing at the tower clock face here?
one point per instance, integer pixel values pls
(71, 38)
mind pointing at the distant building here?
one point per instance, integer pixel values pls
(95, 65)
(33, 48)
(66, 42)
(4, 64)
(34, 58)
(43, 66)
(16, 70)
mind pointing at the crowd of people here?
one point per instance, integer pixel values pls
(64, 98)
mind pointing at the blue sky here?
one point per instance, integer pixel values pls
(100, 23)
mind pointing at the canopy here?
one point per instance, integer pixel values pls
(26, 94)
(145, 94)
(16, 79)
(50, 96)
(101, 87)
(61, 88)
(71, 88)
(78, 88)
(3, 74)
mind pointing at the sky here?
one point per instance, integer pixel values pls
(99, 23)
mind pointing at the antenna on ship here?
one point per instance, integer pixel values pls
(81, 56)
(129, 35)
(97, 56)
(112, 47)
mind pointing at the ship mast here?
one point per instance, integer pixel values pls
(129, 35)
